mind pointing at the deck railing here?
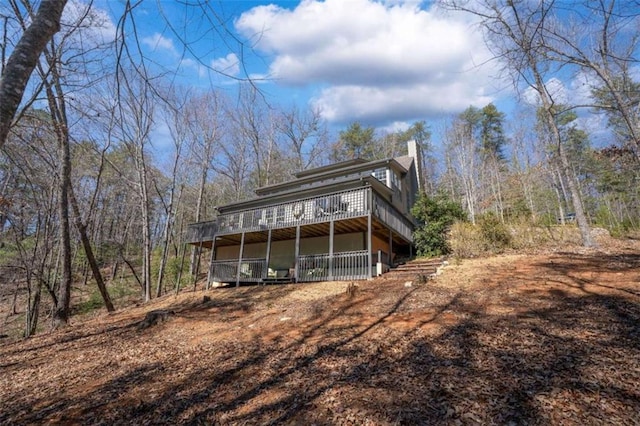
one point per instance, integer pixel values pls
(350, 265)
(338, 205)
(389, 215)
(201, 231)
(251, 270)
(334, 206)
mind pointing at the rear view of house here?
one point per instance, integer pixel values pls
(345, 221)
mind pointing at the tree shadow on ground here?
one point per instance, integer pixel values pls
(567, 354)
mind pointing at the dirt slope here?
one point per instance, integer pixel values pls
(535, 339)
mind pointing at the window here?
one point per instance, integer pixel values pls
(280, 214)
(268, 215)
(381, 175)
(396, 182)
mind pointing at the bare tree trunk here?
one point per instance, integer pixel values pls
(166, 234)
(114, 271)
(146, 226)
(33, 310)
(184, 250)
(206, 130)
(14, 301)
(95, 269)
(576, 199)
(58, 111)
(179, 130)
(194, 251)
(561, 202)
(61, 313)
(165, 251)
(24, 58)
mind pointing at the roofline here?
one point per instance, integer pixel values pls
(328, 173)
(329, 167)
(367, 181)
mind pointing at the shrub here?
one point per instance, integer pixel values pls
(465, 240)
(495, 235)
(435, 216)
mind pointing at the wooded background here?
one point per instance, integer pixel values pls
(103, 162)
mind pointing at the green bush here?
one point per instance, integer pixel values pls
(435, 216)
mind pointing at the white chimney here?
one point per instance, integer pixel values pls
(414, 151)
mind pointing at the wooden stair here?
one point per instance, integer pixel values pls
(418, 269)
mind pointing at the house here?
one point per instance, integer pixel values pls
(344, 221)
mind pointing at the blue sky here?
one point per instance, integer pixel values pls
(382, 63)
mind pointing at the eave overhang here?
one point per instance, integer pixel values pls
(331, 172)
(296, 193)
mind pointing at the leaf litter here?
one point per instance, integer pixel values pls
(513, 339)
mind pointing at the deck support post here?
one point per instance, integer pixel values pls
(331, 233)
(184, 251)
(240, 259)
(267, 260)
(390, 260)
(197, 271)
(297, 253)
(369, 236)
(211, 259)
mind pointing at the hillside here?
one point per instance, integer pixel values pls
(536, 339)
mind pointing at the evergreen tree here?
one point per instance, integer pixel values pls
(492, 132)
(355, 142)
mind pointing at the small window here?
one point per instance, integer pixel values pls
(280, 214)
(381, 175)
(396, 181)
(268, 215)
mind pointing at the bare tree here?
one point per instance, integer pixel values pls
(57, 110)
(178, 124)
(135, 121)
(462, 160)
(52, 79)
(253, 125)
(24, 58)
(523, 166)
(514, 32)
(32, 210)
(305, 135)
(205, 115)
(602, 41)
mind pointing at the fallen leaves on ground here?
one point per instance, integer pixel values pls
(512, 339)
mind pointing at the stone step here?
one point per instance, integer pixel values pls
(414, 269)
(416, 264)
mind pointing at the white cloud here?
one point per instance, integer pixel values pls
(159, 42)
(396, 126)
(229, 65)
(92, 26)
(555, 88)
(384, 104)
(576, 92)
(377, 60)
